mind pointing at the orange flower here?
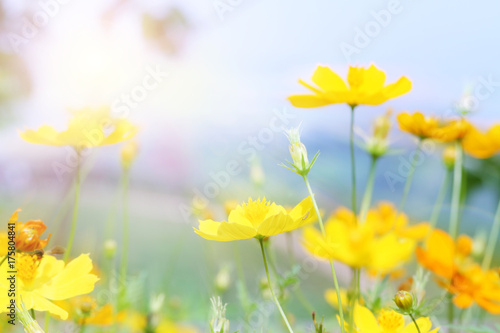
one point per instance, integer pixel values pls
(456, 272)
(452, 130)
(417, 124)
(482, 145)
(28, 234)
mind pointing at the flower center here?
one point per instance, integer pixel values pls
(256, 211)
(26, 267)
(390, 321)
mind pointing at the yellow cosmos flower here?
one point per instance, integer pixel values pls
(385, 218)
(332, 299)
(42, 280)
(452, 130)
(482, 145)
(417, 124)
(358, 245)
(259, 219)
(388, 321)
(365, 86)
(88, 128)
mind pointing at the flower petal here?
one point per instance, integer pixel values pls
(308, 101)
(365, 320)
(328, 80)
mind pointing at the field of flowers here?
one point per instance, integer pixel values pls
(349, 208)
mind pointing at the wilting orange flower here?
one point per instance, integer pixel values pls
(457, 273)
(452, 130)
(365, 86)
(28, 234)
(482, 145)
(417, 124)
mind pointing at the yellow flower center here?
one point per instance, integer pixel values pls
(27, 266)
(256, 211)
(390, 321)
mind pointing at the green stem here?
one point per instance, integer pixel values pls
(126, 231)
(245, 303)
(271, 288)
(332, 266)
(32, 311)
(415, 322)
(4, 258)
(451, 313)
(367, 197)
(492, 241)
(455, 199)
(409, 179)
(75, 211)
(439, 201)
(47, 321)
(353, 163)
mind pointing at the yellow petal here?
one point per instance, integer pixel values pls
(365, 320)
(308, 101)
(402, 86)
(373, 80)
(72, 281)
(303, 213)
(463, 301)
(274, 225)
(235, 231)
(209, 230)
(45, 135)
(37, 302)
(424, 324)
(123, 131)
(327, 80)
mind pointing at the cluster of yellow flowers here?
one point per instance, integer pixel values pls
(380, 240)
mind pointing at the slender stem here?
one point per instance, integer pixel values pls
(332, 266)
(439, 201)
(451, 313)
(367, 197)
(492, 241)
(353, 163)
(455, 199)
(409, 179)
(4, 258)
(126, 231)
(271, 288)
(415, 322)
(32, 311)
(75, 211)
(47, 321)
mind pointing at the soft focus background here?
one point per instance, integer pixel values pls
(225, 69)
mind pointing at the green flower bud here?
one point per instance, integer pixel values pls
(404, 301)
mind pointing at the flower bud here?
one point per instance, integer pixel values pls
(297, 149)
(382, 125)
(404, 301)
(223, 279)
(449, 154)
(110, 248)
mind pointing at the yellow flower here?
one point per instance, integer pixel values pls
(417, 124)
(332, 299)
(385, 218)
(452, 130)
(259, 219)
(167, 326)
(388, 321)
(4, 242)
(482, 145)
(42, 280)
(366, 86)
(358, 244)
(88, 128)
(84, 310)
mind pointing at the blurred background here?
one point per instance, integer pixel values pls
(223, 70)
